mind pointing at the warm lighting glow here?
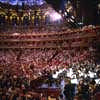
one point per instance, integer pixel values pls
(53, 15)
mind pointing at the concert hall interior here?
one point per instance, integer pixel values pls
(49, 50)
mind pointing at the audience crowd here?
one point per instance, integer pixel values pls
(74, 72)
(24, 72)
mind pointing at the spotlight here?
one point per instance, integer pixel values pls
(55, 16)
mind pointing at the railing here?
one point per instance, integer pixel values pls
(32, 32)
(54, 40)
(27, 38)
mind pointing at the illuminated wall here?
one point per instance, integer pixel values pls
(20, 2)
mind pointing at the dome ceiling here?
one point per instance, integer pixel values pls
(26, 2)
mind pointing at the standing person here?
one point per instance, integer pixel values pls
(68, 91)
(83, 90)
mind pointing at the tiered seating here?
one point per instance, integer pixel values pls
(67, 39)
(50, 92)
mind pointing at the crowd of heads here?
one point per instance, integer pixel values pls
(22, 67)
(26, 62)
(29, 60)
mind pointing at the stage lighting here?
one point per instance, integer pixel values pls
(3, 1)
(55, 16)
